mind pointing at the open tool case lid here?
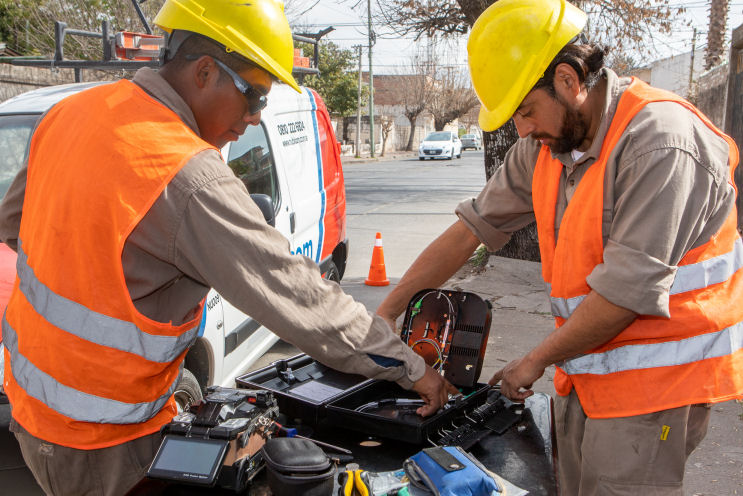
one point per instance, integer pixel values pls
(448, 328)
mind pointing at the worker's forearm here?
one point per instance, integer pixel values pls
(11, 209)
(594, 322)
(435, 265)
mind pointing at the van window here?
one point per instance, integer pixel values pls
(251, 160)
(15, 134)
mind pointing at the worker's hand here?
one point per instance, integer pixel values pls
(391, 321)
(516, 375)
(434, 391)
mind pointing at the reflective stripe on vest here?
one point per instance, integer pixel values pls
(71, 402)
(666, 354)
(688, 278)
(96, 327)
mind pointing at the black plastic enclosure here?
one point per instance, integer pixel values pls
(314, 386)
(406, 427)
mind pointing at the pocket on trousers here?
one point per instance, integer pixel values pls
(608, 487)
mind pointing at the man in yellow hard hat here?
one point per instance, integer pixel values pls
(123, 219)
(632, 191)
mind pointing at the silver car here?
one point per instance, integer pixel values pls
(471, 141)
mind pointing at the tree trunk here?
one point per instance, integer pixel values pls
(524, 244)
(345, 130)
(718, 17)
(497, 144)
(411, 136)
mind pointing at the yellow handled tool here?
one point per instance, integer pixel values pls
(361, 483)
(353, 481)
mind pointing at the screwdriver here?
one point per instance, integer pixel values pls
(291, 432)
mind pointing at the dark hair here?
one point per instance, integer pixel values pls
(196, 44)
(586, 60)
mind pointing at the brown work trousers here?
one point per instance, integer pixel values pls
(643, 455)
(63, 471)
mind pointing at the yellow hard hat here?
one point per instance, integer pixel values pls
(511, 45)
(256, 29)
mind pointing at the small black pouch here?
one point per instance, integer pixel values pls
(297, 466)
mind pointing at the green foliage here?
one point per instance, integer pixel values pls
(13, 17)
(337, 82)
(480, 257)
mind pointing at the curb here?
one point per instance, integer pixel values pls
(363, 160)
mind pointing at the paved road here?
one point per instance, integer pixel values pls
(410, 202)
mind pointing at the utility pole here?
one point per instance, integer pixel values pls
(358, 111)
(691, 67)
(371, 82)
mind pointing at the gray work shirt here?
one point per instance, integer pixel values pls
(666, 191)
(205, 231)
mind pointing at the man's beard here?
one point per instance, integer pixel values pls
(572, 132)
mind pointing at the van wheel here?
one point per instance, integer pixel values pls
(333, 274)
(188, 391)
(421, 158)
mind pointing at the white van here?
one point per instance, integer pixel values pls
(293, 157)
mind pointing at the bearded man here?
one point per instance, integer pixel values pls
(632, 191)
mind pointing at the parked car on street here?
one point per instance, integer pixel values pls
(440, 144)
(292, 157)
(471, 141)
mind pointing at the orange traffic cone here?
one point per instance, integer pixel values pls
(377, 274)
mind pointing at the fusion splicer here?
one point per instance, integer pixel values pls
(218, 440)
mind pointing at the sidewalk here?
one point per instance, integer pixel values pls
(521, 319)
(388, 155)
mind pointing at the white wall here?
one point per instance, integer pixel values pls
(672, 73)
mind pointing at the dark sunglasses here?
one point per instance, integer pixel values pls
(257, 101)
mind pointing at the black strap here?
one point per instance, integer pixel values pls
(418, 478)
(446, 460)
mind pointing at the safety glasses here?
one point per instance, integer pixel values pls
(257, 101)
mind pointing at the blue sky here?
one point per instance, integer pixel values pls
(391, 51)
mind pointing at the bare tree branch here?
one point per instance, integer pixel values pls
(450, 97)
(626, 25)
(415, 86)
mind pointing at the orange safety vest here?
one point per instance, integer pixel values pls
(83, 368)
(654, 364)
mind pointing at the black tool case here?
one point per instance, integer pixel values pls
(302, 386)
(390, 409)
(386, 410)
(459, 322)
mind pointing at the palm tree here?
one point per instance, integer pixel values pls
(718, 19)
